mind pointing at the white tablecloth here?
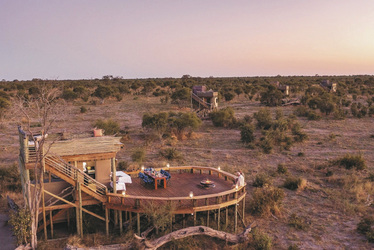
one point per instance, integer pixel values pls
(123, 177)
(119, 186)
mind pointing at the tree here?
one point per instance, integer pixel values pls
(157, 122)
(102, 92)
(263, 118)
(271, 97)
(247, 133)
(223, 118)
(183, 121)
(44, 109)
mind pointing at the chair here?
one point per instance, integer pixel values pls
(166, 174)
(145, 179)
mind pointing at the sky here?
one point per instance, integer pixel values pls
(84, 39)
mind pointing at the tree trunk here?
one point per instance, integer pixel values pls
(198, 230)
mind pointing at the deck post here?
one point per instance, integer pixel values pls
(77, 219)
(208, 212)
(243, 207)
(194, 218)
(107, 221)
(138, 222)
(236, 217)
(80, 210)
(219, 217)
(130, 215)
(51, 219)
(184, 221)
(227, 216)
(44, 218)
(68, 215)
(120, 221)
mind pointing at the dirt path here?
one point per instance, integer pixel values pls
(6, 237)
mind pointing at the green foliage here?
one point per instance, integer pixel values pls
(171, 154)
(159, 215)
(299, 135)
(183, 94)
(303, 111)
(158, 122)
(69, 95)
(228, 96)
(366, 227)
(266, 144)
(21, 225)
(122, 165)
(261, 240)
(247, 133)
(109, 126)
(297, 222)
(138, 155)
(282, 169)
(358, 110)
(83, 109)
(271, 97)
(350, 161)
(4, 105)
(103, 91)
(223, 118)
(294, 183)
(262, 180)
(263, 117)
(266, 200)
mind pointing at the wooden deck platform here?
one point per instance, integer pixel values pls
(180, 185)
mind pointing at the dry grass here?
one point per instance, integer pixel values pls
(332, 204)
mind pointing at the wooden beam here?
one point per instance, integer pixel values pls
(120, 222)
(80, 210)
(107, 221)
(90, 157)
(219, 217)
(138, 222)
(51, 222)
(236, 218)
(44, 219)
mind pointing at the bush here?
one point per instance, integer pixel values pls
(138, 155)
(261, 180)
(110, 127)
(122, 165)
(228, 96)
(351, 161)
(21, 225)
(295, 183)
(10, 179)
(83, 109)
(171, 154)
(261, 241)
(297, 222)
(266, 200)
(365, 227)
(223, 118)
(371, 177)
(263, 117)
(282, 169)
(247, 133)
(69, 95)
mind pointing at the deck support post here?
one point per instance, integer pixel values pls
(219, 217)
(77, 220)
(208, 212)
(184, 221)
(80, 210)
(130, 215)
(68, 217)
(227, 216)
(44, 218)
(107, 221)
(194, 219)
(138, 222)
(51, 219)
(236, 217)
(243, 207)
(120, 221)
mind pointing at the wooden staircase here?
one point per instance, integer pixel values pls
(74, 176)
(201, 101)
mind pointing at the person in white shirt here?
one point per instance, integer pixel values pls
(240, 180)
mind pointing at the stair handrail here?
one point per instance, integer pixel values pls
(201, 100)
(67, 169)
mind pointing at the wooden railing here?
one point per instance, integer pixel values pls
(185, 204)
(201, 101)
(74, 173)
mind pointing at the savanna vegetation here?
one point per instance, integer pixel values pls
(309, 168)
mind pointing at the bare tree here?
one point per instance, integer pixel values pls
(42, 109)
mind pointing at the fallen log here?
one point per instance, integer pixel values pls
(197, 230)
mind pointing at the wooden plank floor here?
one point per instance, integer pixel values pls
(180, 185)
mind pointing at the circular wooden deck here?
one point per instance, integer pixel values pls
(184, 180)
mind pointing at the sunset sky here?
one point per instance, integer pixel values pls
(83, 39)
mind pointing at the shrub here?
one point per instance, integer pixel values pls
(282, 169)
(297, 222)
(102, 92)
(365, 227)
(122, 165)
(271, 97)
(261, 240)
(21, 225)
(299, 135)
(266, 200)
(69, 95)
(266, 144)
(263, 118)
(301, 154)
(109, 126)
(247, 133)
(293, 247)
(350, 161)
(295, 183)
(371, 177)
(10, 179)
(228, 96)
(83, 109)
(138, 155)
(223, 118)
(171, 154)
(261, 180)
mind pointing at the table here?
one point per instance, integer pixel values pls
(156, 178)
(207, 183)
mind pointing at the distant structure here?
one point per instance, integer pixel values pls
(202, 100)
(285, 89)
(329, 86)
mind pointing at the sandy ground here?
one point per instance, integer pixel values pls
(7, 240)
